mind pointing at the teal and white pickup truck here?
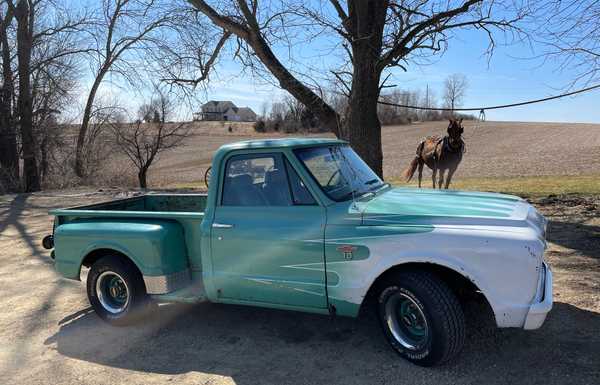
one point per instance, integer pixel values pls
(306, 225)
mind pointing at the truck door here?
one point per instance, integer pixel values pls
(267, 235)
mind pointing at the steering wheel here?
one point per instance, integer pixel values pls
(331, 177)
(207, 176)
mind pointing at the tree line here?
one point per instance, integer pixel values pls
(288, 115)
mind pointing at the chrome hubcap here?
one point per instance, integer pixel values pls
(112, 292)
(406, 321)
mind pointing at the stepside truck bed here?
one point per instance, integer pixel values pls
(160, 233)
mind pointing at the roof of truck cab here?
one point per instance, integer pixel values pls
(282, 142)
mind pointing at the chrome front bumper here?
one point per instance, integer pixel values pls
(538, 311)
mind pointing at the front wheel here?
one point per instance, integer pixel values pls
(421, 318)
(117, 292)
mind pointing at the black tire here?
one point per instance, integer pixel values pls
(207, 176)
(421, 318)
(114, 309)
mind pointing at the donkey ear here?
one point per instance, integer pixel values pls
(460, 121)
(450, 120)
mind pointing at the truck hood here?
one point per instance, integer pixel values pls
(407, 206)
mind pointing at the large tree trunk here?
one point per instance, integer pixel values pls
(362, 127)
(9, 155)
(24, 46)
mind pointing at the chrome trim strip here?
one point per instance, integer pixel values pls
(163, 284)
(221, 226)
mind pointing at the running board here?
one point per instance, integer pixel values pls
(193, 293)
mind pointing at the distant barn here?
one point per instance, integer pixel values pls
(225, 110)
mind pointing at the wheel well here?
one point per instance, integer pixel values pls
(465, 289)
(95, 255)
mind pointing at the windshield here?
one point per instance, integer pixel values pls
(340, 172)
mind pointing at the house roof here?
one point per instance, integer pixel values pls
(220, 105)
(246, 110)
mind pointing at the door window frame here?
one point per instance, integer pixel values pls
(283, 157)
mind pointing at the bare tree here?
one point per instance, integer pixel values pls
(264, 109)
(43, 47)
(569, 32)
(455, 88)
(150, 112)
(429, 101)
(374, 36)
(123, 26)
(278, 111)
(143, 142)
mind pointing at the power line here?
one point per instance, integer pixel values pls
(492, 107)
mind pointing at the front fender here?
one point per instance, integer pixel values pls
(156, 247)
(499, 263)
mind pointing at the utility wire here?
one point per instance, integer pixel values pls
(492, 107)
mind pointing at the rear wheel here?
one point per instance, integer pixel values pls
(421, 318)
(117, 292)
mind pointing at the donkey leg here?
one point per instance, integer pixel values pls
(441, 178)
(449, 177)
(434, 174)
(421, 163)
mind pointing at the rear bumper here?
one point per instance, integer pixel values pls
(538, 311)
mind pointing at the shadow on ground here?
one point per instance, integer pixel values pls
(573, 222)
(576, 235)
(254, 345)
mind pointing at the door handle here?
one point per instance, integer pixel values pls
(221, 226)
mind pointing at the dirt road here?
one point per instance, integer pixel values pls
(49, 335)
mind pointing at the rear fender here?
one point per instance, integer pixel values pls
(156, 247)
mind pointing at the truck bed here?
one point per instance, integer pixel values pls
(118, 224)
(192, 203)
(162, 206)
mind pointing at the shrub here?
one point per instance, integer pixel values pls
(260, 126)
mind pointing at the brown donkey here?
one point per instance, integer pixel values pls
(439, 154)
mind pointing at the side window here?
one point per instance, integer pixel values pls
(258, 180)
(300, 194)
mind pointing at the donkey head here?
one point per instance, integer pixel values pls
(455, 129)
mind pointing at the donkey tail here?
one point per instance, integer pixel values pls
(410, 171)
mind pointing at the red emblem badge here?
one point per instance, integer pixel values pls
(347, 251)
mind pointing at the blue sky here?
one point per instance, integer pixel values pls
(508, 77)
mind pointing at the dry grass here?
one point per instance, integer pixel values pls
(530, 186)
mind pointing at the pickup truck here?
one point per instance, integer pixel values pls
(306, 225)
